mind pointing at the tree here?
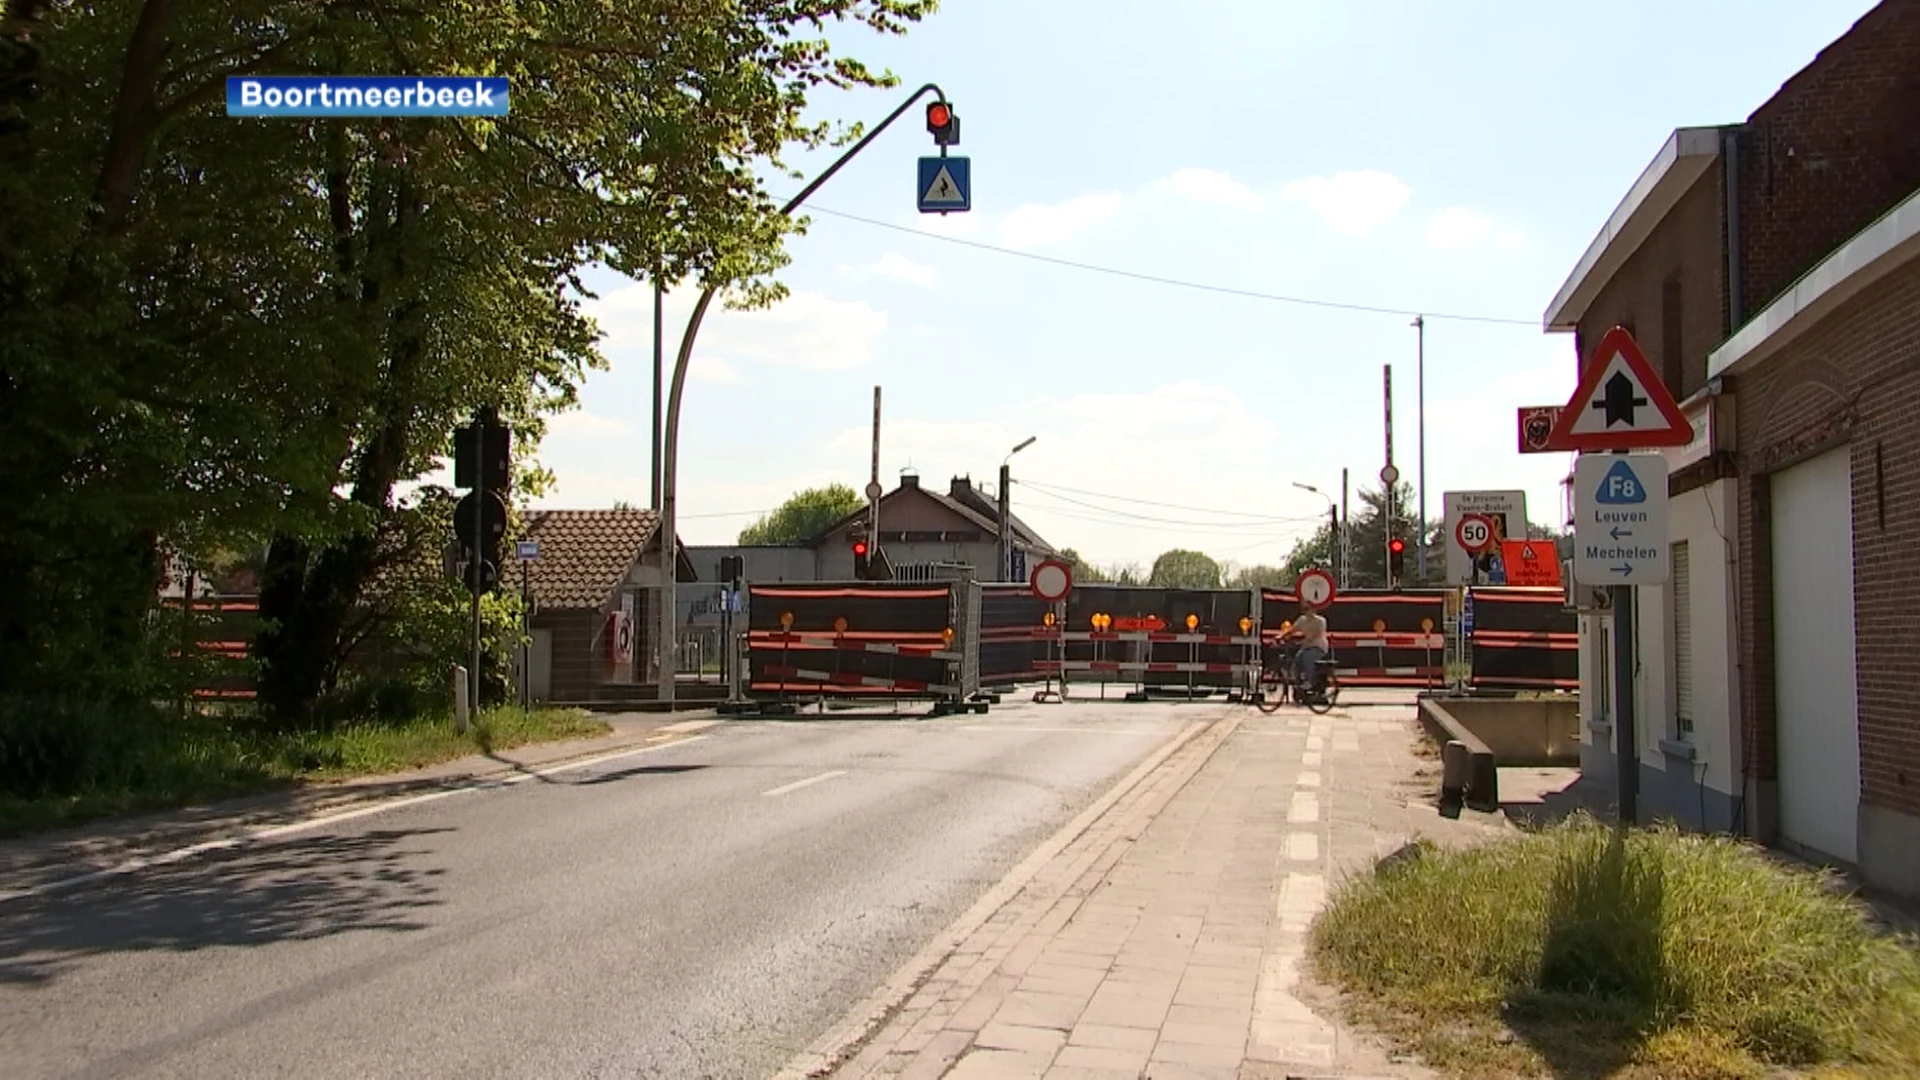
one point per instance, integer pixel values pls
(1183, 569)
(1083, 571)
(1261, 577)
(804, 516)
(231, 332)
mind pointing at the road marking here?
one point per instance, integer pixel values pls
(1309, 779)
(809, 781)
(688, 727)
(1305, 807)
(1303, 847)
(272, 832)
(1311, 759)
(1315, 742)
(1301, 898)
(1063, 730)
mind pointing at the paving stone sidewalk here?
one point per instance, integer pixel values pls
(29, 862)
(1166, 941)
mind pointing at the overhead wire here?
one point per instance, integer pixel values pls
(1179, 283)
(1054, 491)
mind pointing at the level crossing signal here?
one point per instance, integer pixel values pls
(944, 126)
(862, 558)
(1396, 561)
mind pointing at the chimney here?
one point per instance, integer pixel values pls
(909, 480)
(962, 487)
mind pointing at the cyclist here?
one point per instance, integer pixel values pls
(1310, 630)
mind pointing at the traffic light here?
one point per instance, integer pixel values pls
(1396, 561)
(862, 555)
(943, 124)
(484, 449)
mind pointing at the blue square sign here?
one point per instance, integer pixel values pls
(945, 185)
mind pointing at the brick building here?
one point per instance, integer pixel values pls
(1771, 270)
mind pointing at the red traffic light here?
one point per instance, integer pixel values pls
(938, 114)
(1396, 545)
(859, 547)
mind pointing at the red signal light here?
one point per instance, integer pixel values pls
(859, 547)
(1396, 545)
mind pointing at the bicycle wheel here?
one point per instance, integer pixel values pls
(1271, 695)
(1323, 702)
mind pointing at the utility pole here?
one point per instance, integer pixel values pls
(659, 369)
(874, 490)
(1346, 535)
(1389, 479)
(1420, 391)
(1006, 510)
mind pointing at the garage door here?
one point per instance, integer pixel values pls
(1818, 729)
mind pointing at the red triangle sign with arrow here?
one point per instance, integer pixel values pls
(1621, 403)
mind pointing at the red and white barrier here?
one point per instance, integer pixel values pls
(842, 678)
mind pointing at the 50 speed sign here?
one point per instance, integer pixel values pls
(1475, 533)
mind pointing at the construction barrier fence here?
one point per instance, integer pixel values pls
(865, 639)
(1013, 634)
(1524, 639)
(1379, 638)
(1157, 639)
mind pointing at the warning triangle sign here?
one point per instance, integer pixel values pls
(1621, 403)
(943, 191)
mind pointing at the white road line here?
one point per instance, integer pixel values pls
(688, 727)
(275, 831)
(1309, 778)
(808, 782)
(1303, 847)
(1305, 807)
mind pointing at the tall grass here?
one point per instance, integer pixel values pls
(1651, 942)
(63, 762)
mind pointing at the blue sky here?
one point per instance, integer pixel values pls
(1445, 158)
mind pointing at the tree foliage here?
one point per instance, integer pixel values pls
(804, 516)
(255, 333)
(1184, 569)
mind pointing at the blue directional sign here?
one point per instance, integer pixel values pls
(1620, 519)
(946, 185)
(1019, 564)
(1620, 487)
(526, 550)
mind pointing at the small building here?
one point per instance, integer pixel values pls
(1771, 271)
(593, 588)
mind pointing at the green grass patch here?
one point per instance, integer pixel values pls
(1575, 952)
(66, 764)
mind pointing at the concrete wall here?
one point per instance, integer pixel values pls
(1519, 731)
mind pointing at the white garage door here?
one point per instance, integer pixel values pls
(1818, 729)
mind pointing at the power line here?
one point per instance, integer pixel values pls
(1055, 489)
(1126, 519)
(1178, 283)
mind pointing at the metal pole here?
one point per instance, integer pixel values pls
(670, 446)
(1420, 379)
(1346, 535)
(873, 483)
(526, 641)
(1006, 492)
(479, 547)
(1387, 489)
(659, 362)
(1627, 752)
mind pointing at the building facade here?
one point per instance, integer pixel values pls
(1766, 268)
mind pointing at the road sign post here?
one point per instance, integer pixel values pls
(1506, 515)
(1620, 509)
(1315, 588)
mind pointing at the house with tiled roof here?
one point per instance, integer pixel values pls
(593, 586)
(921, 526)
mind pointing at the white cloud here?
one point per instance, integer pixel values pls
(1035, 225)
(1355, 202)
(808, 330)
(1459, 229)
(1209, 186)
(581, 422)
(899, 267)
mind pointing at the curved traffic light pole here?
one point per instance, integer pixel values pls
(670, 448)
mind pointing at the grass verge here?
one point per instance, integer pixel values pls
(1571, 952)
(138, 765)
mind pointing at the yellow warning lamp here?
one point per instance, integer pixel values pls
(786, 620)
(1106, 621)
(1426, 626)
(1246, 624)
(1286, 626)
(947, 635)
(1192, 621)
(1047, 619)
(839, 624)
(1379, 625)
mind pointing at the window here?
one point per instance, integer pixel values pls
(1603, 671)
(1672, 344)
(1682, 588)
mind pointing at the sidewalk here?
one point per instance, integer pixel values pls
(1166, 940)
(31, 862)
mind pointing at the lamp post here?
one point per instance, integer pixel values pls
(1335, 546)
(670, 446)
(1420, 393)
(1006, 500)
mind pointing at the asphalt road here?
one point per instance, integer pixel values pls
(703, 910)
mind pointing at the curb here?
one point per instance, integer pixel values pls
(859, 1025)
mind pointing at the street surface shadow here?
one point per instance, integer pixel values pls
(254, 894)
(622, 774)
(1544, 808)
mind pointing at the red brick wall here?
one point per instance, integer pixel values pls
(1837, 147)
(1686, 247)
(1856, 378)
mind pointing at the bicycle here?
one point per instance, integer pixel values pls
(1282, 684)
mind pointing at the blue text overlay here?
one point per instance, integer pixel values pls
(365, 95)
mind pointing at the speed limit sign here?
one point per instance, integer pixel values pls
(1475, 533)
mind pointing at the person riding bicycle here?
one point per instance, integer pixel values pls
(1310, 630)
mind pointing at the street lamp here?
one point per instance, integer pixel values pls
(670, 448)
(1420, 392)
(1006, 499)
(1336, 539)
